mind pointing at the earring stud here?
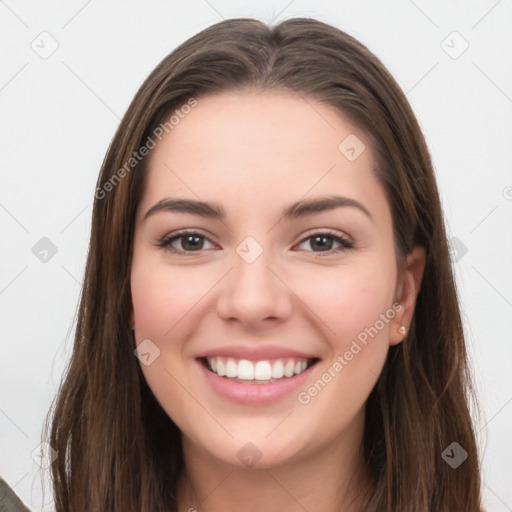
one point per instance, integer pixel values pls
(402, 329)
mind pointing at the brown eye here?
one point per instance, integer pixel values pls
(184, 242)
(323, 242)
(191, 242)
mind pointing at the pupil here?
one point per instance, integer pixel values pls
(323, 244)
(195, 244)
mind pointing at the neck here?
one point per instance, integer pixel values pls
(331, 478)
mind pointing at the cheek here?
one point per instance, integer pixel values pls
(165, 301)
(162, 296)
(350, 307)
(347, 300)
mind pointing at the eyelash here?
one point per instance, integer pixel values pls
(165, 243)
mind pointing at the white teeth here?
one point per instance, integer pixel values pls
(277, 370)
(262, 371)
(288, 368)
(244, 369)
(231, 368)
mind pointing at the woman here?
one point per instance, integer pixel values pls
(269, 319)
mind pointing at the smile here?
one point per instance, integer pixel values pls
(257, 372)
(258, 382)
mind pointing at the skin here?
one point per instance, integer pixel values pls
(254, 153)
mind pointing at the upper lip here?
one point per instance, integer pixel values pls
(255, 353)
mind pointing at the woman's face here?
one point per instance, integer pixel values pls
(259, 289)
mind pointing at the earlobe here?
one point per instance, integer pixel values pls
(408, 288)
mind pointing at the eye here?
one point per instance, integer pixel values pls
(193, 241)
(324, 241)
(190, 241)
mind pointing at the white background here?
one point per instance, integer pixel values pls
(58, 115)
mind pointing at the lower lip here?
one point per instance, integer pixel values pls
(254, 393)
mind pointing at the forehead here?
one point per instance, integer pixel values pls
(261, 148)
(239, 123)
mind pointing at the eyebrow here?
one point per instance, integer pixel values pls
(295, 210)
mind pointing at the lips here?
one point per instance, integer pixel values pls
(254, 392)
(255, 375)
(256, 363)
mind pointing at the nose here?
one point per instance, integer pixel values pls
(255, 294)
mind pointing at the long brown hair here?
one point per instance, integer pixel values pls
(118, 450)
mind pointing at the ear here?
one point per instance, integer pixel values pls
(407, 289)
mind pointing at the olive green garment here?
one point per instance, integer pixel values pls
(9, 502)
